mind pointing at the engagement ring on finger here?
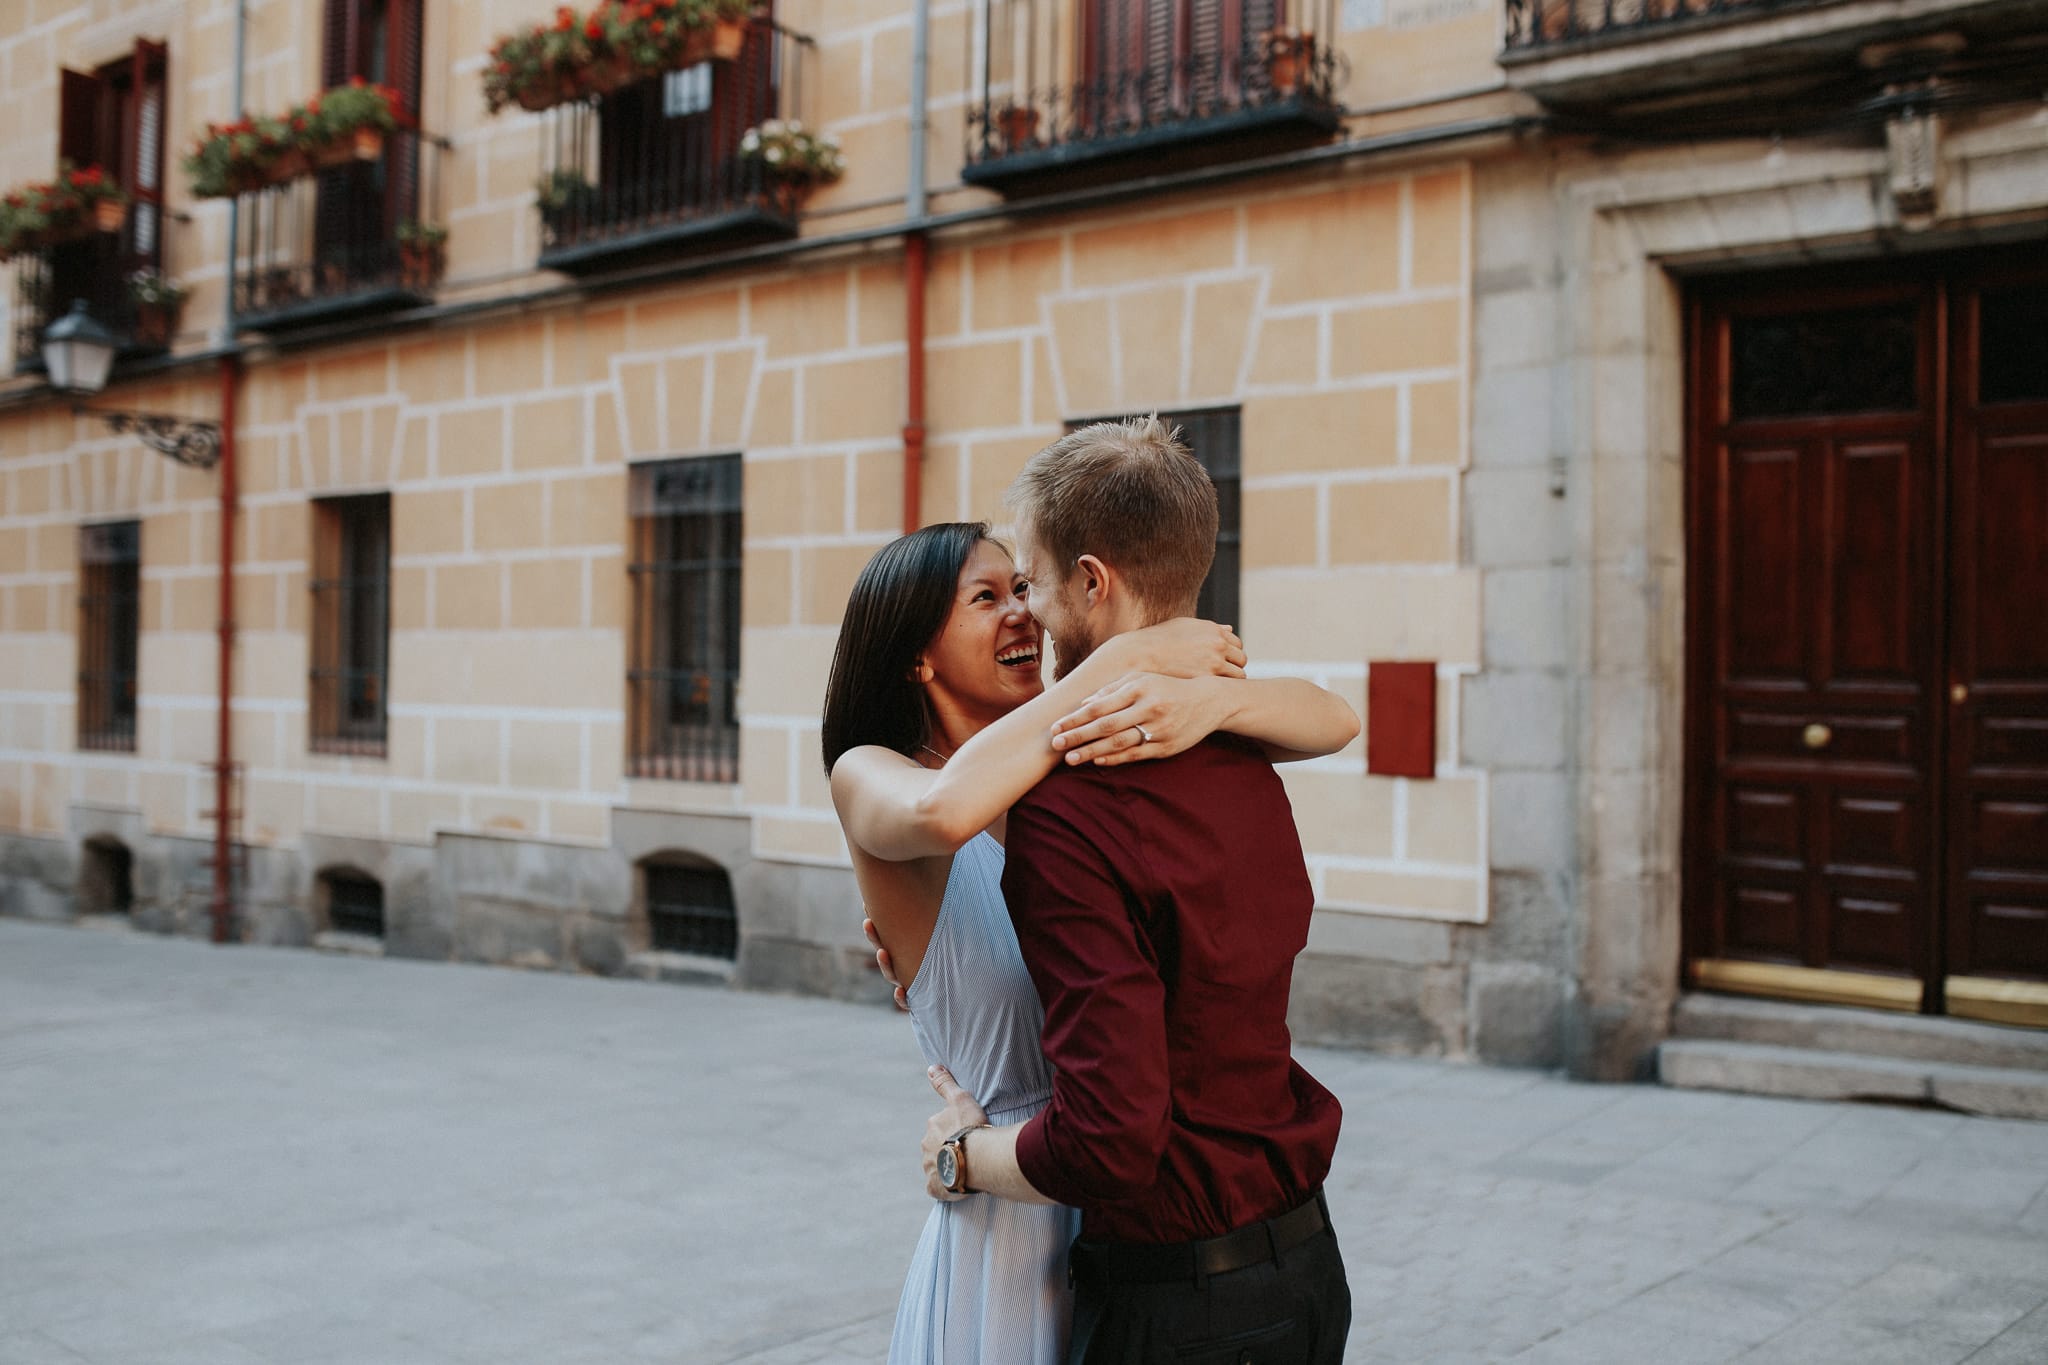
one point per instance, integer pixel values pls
(1144, 735)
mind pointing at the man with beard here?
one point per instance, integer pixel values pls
(1160, 907)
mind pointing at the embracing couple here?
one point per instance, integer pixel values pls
(1091, 896)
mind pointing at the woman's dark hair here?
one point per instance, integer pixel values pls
(897, 606)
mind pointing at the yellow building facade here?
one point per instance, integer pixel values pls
(608, 466)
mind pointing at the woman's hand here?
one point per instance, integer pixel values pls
(1142, 715)
(1185, 647)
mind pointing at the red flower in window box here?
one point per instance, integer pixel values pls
(79, 201)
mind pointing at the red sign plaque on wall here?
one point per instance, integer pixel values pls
(1400, 718)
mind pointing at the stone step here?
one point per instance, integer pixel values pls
(1809, 1074)
(1871, 1033)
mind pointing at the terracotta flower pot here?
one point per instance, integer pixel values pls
(109, 214)
(328, 155)
(1288, 60)
(784, 195)
(368, 143)
(156, 324)
(535, 97)
(614, 73)
(421, 264)
(728, 39)
(1018, 126)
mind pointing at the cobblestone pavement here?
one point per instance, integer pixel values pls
(254, 1157)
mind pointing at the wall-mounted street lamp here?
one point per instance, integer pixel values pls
(78, 352)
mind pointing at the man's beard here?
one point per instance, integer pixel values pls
(1069, 652)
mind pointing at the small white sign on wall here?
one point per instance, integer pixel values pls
(1403, 15)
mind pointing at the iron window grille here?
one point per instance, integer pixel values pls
(1211, 434)
(690, 910)
(355, 904)
(109, 634)
(351, 623)
(683, 671)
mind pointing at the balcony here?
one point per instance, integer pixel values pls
(326, 246)
(655, 168)
(1763, 66)
(96, 268)
(1074, 94)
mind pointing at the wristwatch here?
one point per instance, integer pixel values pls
(952, 1161)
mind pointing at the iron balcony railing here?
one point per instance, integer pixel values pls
(336, 241)
(98, 268)
(1545, 23)
(1062, 82)
(659, 160)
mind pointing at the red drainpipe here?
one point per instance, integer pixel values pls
(916, 264)
(230, 393)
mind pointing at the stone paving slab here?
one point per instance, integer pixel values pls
(246, 1156)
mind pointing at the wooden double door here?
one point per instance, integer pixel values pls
(1867, 717)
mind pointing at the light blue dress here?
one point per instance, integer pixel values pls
(989, 1280)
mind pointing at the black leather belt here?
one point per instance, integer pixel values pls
(1253, 1244)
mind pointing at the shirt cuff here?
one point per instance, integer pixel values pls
(1035, 1160)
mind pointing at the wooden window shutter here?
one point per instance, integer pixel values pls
(339, 29)
(402, 72)
(402, 62)
(340, 26)
(326, 622)
(143, 144)
(82, 134)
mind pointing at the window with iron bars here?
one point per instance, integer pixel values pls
(1212, 435)
(109, 634)
(690, 910)
(355, 904)
(683, 671)
(351, 623)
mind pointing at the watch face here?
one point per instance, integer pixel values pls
(949, 1166)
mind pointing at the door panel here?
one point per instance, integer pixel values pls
(1997, 879)
(1815, 666)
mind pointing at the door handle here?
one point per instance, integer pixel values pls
(1959, 693)
(1817, 736)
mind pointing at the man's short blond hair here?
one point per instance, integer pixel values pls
(1132, 495)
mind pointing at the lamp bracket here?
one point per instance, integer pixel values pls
(190, 442)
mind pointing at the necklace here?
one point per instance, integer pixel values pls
(933, 752)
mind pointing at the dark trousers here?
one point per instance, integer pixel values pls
(1292, 1311)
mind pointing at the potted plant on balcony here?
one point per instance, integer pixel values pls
(567, 202)
(791, 160)
(1017, 126)
(234, 158)
(576, 56)
(349, 122)
(541, 67)
(719, 31)
(159, 307)
(82, 199)
(422, 253)
(1290, 57)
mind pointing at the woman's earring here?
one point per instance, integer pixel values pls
(922, 673)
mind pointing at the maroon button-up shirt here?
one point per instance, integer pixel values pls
(1160, 907)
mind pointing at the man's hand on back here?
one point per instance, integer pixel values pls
(886, 965)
